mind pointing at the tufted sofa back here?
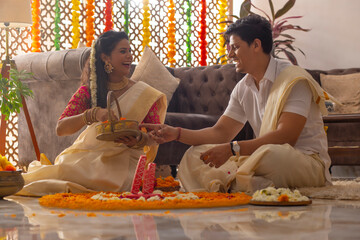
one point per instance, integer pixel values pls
(204, 90)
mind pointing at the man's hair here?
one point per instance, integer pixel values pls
(251, 27)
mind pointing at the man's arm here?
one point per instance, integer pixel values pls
(223, 131)
(288, 131)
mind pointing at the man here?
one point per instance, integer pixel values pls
(283, 105)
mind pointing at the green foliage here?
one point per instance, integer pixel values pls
(11, 91)
(283, 43)
(279, 26)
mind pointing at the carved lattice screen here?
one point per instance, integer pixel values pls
(20, 39)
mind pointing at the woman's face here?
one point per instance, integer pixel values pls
(121, 58)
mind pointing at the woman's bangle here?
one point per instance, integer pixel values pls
(93, 114)
(179, 135)
(83, 116)
(142, 141)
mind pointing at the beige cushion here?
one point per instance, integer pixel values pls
(151, 71)
(346, 89)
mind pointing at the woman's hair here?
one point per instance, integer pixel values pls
(251, 27)
(105, 44)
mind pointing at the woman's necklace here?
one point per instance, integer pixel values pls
(114, 86)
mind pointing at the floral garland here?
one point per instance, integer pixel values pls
(35, 31)
(146, 24)
(171, 34)
(188, 33)
(222, 25)
(57, 27)
(108, 16)
(126, 16)
(84, 201)
(93, 85)
(203, 42)
(89, 31)
(75, 23)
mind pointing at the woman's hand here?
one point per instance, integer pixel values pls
(129, 141)
(102, 115)
(161, 133)
(217, 156)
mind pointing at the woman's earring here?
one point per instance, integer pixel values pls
(108, 67)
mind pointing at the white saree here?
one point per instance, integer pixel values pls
(93, 165)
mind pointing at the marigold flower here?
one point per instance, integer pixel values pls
(283, 198)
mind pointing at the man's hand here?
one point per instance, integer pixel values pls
(161, 133)
(217, 156)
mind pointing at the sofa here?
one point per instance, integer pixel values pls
(198, 101)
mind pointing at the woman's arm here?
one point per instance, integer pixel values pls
(72, 120)
(69, 125)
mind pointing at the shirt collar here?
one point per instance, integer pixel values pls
(270, 73)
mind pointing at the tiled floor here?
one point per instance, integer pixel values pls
(24, 218)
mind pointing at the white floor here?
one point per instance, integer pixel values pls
(24, 218)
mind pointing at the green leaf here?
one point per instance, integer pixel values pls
(245, 8)
(285, 8)
(12, 90)
(287, 36)
(291, 47)
(272, 9)
(291, 57)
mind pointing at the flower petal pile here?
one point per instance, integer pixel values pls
(271, 194)
(164, 200)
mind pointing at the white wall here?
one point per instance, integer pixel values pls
(334, 39)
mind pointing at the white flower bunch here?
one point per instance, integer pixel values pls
(272, 194)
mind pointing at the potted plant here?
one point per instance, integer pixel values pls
(283, 42)
(11, 92)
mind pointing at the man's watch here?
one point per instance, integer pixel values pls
(236, 148)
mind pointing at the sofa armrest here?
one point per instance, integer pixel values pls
(335, 118)
(343, 129)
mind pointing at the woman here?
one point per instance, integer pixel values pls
(91, 164)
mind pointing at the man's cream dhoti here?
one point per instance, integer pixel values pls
(270, 165)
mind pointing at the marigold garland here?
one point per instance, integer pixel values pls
(203, 42)
(57, 27)
(89, 30)
(222, 25)
(75, 13)
(171, 34)
(146, 24)
(188, 33)
(83, 201)
(126, 16)
(108, 16)
(35, 31)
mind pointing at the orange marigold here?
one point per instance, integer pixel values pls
(167, 182)
(283, 198)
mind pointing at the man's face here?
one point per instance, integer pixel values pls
(241, 53)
